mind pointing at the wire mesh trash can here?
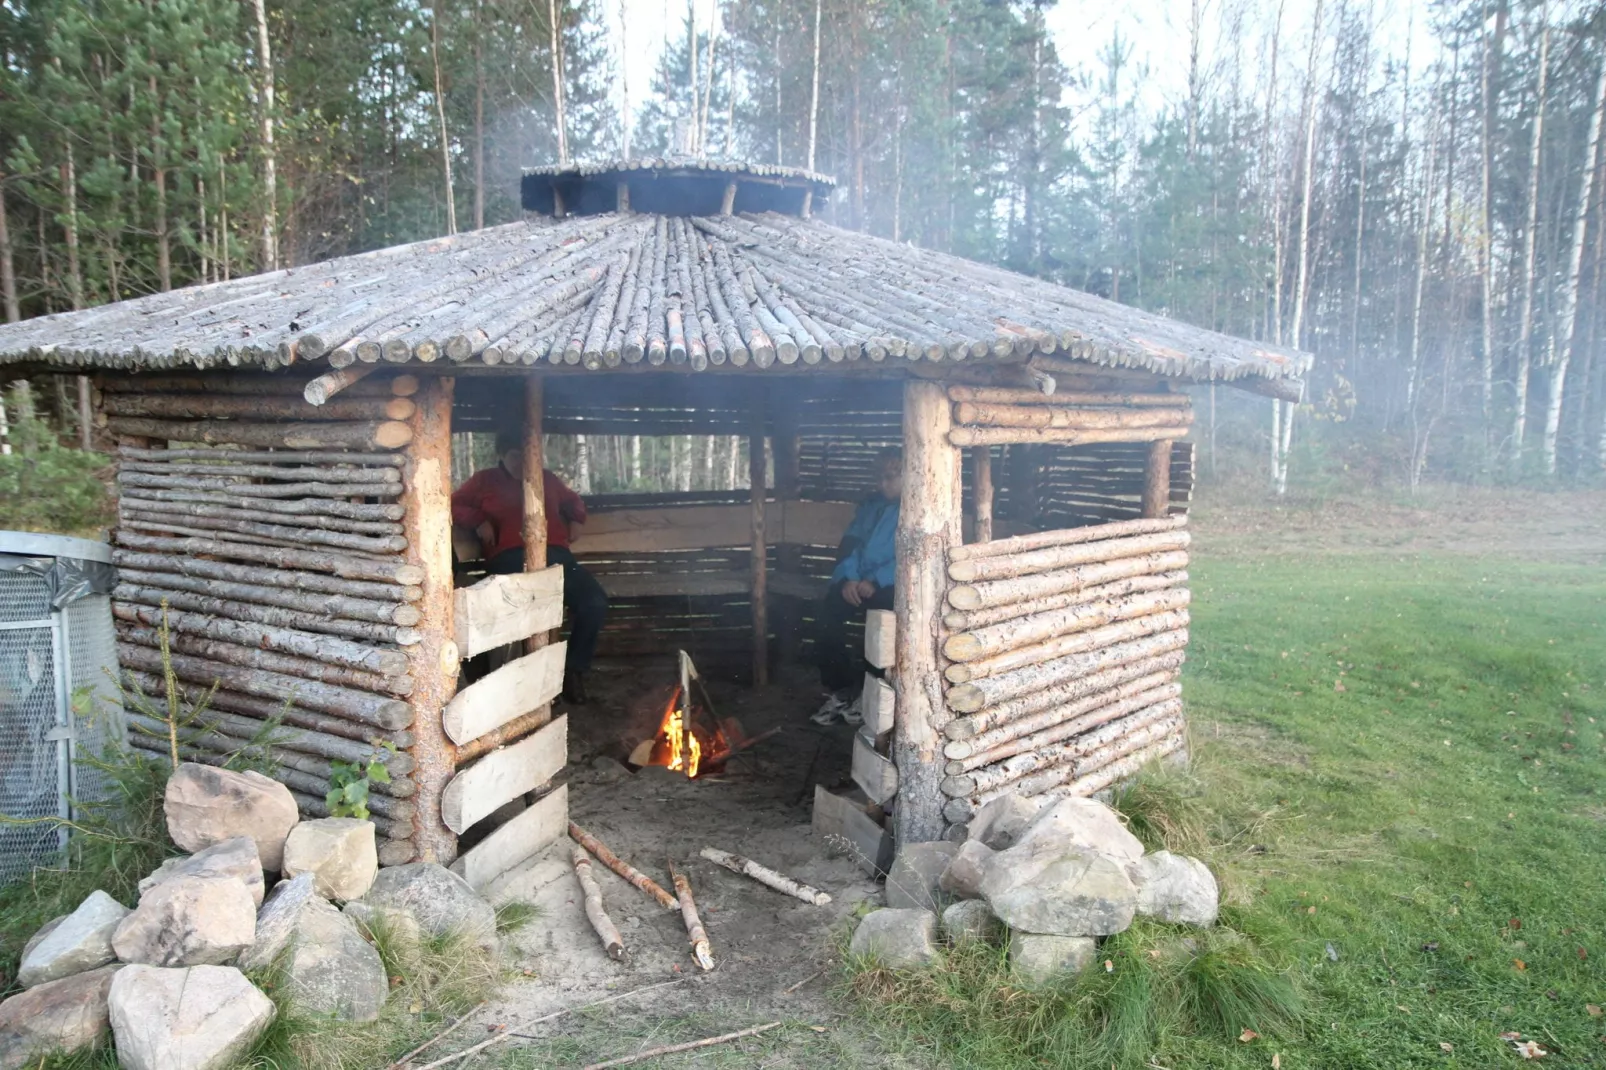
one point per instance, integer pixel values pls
(58, 695)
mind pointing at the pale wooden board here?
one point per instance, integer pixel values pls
(504, 773)
(873, 772)
(880, 637)
(517, 840)
(879, 705)
(838, 818)
(511, 691)
(676, 584)
(811, 523)
(504, 609)
(698, 527)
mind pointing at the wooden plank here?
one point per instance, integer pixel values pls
(529, 832)
(511, 691)
(697, 527)
(840, 821)
(880, 638)
(813, 523)
(873, 772)
(676, 584)
(504, 609)
(879, 704)
(504, 774)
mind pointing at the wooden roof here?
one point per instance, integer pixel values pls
(749, 290)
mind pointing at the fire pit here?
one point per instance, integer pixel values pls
(690, 738)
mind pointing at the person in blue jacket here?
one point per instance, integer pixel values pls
(862, 580)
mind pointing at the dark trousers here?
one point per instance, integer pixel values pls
(840, 652)
(582, 594)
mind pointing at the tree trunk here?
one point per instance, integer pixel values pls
(479, 120)
(1491, 59)
(1519, 405)
(69, 191)
(8, 267)
(560, 111)
(440, 115)
(814, 92)
(270, 163)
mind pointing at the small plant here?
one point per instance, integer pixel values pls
(45, 486)
(350, 783)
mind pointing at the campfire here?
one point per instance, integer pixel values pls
(690, 738)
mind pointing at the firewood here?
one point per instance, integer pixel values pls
(363, 435)
(695, 933)
(605, 929)
(1050, 558)
(969, 596)
(1072, 642)
(766, 876)
(1035, 705)
(624, 869)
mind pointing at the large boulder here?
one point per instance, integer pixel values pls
(1000, 823)
(1175, 889)
(962, 878)
(326, 966)
(66, 1016)
(78, 942)
(912, 881)
(440, 901)
(199, 1018)
(236, 858)
(1037, 959)
(1059, 890)
(969, 921)
(276, 921)
(338, 851)
(188, 921)
(899, 938)
(1084, 823)
(205, 806)
(382, 923)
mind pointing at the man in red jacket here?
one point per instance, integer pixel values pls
(490, 505)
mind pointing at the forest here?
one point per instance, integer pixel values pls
(1428, 225)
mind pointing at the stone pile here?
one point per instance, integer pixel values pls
(168, 980)
(1052, 877)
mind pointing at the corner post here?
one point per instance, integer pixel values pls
(1157, 480)
(757, 475)
(928, 524)
(981, 461)
(534, 481)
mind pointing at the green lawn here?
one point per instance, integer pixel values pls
(1398, 766)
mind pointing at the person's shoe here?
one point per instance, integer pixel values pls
(853, 712)
(830, 711)
(574, 689)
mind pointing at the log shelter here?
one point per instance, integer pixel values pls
(283, 442)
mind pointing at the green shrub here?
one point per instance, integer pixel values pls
(45, 486)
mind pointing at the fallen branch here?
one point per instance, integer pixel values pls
(434, 1040)
(793, 988)
(700, 949)
(766, 876)
(670, 1049)
(606, 930)
(621, 867)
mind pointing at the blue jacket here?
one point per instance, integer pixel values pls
(870, 544)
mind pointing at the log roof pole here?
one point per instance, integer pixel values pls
(928, 525)
(434, 658)
(1157, 480)
(757, 476)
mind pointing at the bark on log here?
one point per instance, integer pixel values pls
(367, 435)
(534, 530)
(315, 806)
(1033, 562)
(630, 874)
(299, 473)
(1031, 709)
(696, 935)
(1020, 589)
(396, 852)
(236, 456)
(1053, 723)
(515, 729)
(981, 460)
(272, 384)
(1120, 744)
(261, 709)
(766, 876)
(1006, 436)
(986, 650)
(273, 616)
(976, 414)
(1040, 540)
(134, 514)
(960, 621)
(310, 506)
(250, 512)
(1028, 657)
(1097, 779)
(266, 637)
(213, 406)
(928, 526)
(1157, 480)
(318, 391)
(246, 657)
(973, 696)
(342, 565)
(603, 925)
(364, 590)
(1005, 395)
(233, 488)
(335, 605)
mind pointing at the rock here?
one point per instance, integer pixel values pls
(970, 920)
(962, 878)
(338, 851)
(78, 942)
(65, 1016)
(1175, 889)
(912, 881)
(1062, 891)
(235, 858)
(327, 967)
(383, 923)
(199, 1018)
(205, 806)
(276, 921)
(898, 938)
(188, 921)
(1038, 959)
(440, 901)
(999, 824)
(44, 930)
(1084, 823)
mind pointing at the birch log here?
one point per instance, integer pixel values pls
(1005, 715)
(1038, 540)
(1004, 436)
(969, 697)
(766, 876)
(981, 414)
(1073, 642)
(364, 435)
(1050, 558)
(1058, 722)
(645, 884)
(968, 596)
(389, 662)
(605, 929)
(1046, 626)
(961, 621)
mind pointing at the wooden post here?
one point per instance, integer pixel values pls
(621, 197)
(928, 524)
(784, 446)
(534, 489)
(434, 659)
(757, 480)
(1157, 480)
(727, 203)
(981, 459)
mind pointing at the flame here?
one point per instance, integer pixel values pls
(685, 752)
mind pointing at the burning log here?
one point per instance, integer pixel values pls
(766, 876)
(700, 949)
(621, 867)
(606, 930)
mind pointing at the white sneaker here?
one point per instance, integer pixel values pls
(830, 712)
(853, 713)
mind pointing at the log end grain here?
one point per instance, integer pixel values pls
(964, 596)
(404, 386)
(965, 698)
(393, 435)
(962, 647)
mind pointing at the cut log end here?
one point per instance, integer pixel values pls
(966, 698)
(962, 647)
(393, 435)
(964, 596)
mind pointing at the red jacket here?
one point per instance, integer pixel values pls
(494, 495)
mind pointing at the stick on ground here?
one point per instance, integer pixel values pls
(766, 876)
(621, 867)
(700, 949)
(606, 930)
(670, 1049)
(436, 1039)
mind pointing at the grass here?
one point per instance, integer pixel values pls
(1398, 775)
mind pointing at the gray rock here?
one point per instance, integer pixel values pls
(1061, 891)
(205, 806)
(901, 939)
(383, 923)
(1084, 823)
(912, 881)
(327, 967)
(78, 942)
(338, 851)
(1175, 889)
(1037, 959)
(962, 878)
(188, 921)
(65, 1016)
(235, 858)
(199, 1018)
(44, 930)
(440, 900)
(276, 921)
(970, 920)
(999, 824)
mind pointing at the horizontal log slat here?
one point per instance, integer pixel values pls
(274, 616)
(248, 511)
(155, 517)
(505, 609)
(1026, 657)
(241, 489)
(1043, 627)
(956, 620)
(1025, 436)
(313, 507)
(335, 605)
(977, 694)
(1039, 709)
(1051, 558)
(262, 710)
(1040, 540)
(246, 657)
(288, 473)
(365, 435)
(346, 566)
(1004, 395)
(512, 691)
(1015, 589)
(478, 789)
(389, 662)
(1049, 723)
(976, 414)
(266, 407)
